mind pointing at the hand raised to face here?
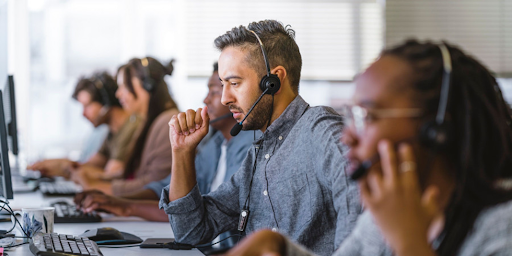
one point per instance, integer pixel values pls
(187, 129)
(394, 197)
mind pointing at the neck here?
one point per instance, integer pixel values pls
(117, 118)
(281, 102)
(439, 176)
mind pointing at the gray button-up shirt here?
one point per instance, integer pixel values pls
(300, 186)
(491, 235)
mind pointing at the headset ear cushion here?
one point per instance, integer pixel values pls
(435, 136)
(148, 84)
(271, 82)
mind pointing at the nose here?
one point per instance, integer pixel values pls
(227, 96)
(206, 99)
(118, 93)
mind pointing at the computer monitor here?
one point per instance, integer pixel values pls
(10, 115)
(5, 171)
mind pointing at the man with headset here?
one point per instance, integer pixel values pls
(293, 178)
(100, 106)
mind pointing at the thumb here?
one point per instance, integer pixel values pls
(430, 201)
(205, 116)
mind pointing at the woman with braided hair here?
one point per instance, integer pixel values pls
(431, 126)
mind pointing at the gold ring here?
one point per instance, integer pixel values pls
(407, 166)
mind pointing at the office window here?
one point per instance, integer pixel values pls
(71, 38)
(482, 28)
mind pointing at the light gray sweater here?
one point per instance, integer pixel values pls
(491, 235)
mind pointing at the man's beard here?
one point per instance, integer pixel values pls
(260, 115)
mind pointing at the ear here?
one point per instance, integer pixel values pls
(280, 71)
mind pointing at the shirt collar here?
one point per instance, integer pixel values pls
(285, 122)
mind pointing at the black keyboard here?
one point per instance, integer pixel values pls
(59, 188)
(61, 245)
(67, 213)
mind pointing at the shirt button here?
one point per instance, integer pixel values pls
(274, 229)
(265, 192)
(267, 156)
(280, 137)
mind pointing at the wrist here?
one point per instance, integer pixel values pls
(419, 247)
(184, 152)
(127, 208)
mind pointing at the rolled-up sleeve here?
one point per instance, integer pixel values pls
(186, 204)
(197, 218)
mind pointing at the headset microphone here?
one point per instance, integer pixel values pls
(363, 168)
(238, 126)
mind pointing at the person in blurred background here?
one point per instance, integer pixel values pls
(144, 92)
(219, 156)
(437, 120)
(100, 106)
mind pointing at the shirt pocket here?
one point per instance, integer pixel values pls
(292, 202)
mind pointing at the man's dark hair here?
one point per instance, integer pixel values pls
(278, 41)
(216, 67)
(481, 147)
(93, 85)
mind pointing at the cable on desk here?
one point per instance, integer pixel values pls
(11, 212)
(179, 246)
(117, 246)
(15, 245)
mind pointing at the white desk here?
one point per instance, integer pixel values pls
(136, 226)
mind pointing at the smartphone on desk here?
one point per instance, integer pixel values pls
(156, 242)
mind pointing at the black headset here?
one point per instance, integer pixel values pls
(147, 82)
(435, 134)
(100, 85)
(269, 82)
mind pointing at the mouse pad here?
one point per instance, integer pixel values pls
(127, 239)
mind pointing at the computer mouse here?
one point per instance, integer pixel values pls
(110, 236)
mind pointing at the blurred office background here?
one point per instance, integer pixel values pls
(51, 43)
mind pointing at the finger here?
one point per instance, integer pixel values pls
(35, 166)
(408, 169)
(87, 202)
(364, 189)
(92, 207)
(388, 161)
(175, 125)
(199, 118)
(191, 119)
(205, 117)
(78, 198)
(430, 201)
(374, 180)
(182, 122)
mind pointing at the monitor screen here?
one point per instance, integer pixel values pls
(3, 40)
(10, 115)
(5, 168)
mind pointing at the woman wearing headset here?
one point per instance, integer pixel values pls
(142, 91)
(433, 187)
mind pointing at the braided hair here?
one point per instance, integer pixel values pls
(481, 147)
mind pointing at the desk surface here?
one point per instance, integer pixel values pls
(136, 226)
